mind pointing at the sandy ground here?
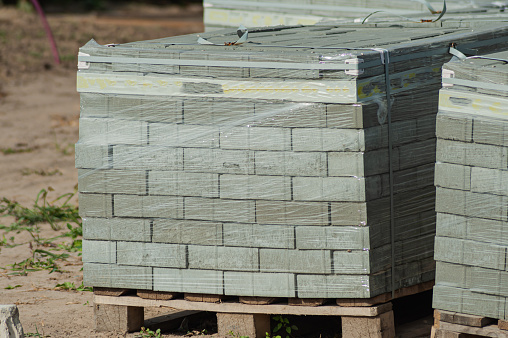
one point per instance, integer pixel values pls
(39, 111)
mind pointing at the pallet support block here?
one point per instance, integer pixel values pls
(381, 326)
(118, 318)
(250, 325)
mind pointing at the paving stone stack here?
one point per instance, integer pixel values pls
(228, 13)
(472, 188)
(263, 169)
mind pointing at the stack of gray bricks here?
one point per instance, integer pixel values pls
(472, 188)
(263, 169)
(229, 13)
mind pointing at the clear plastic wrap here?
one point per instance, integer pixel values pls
(228, 13)
(282, 167)
(472, 187)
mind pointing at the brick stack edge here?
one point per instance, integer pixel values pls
(253, 181)
(472, 190)
(224, 13)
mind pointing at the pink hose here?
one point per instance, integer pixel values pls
(54, 50)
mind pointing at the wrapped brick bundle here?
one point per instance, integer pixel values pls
(228, 13)
(299, 163)
(472, 187)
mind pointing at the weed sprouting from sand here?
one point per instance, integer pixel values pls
(42, 210)
(43, 255)
(69, 286)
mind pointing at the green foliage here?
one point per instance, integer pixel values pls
(71, 287)
(10, 287)
(40, 172)
(146, 332)
(40, 260)
(28, 219)
(10, 151)
(236, 335)
(282, 329)
(43, 210)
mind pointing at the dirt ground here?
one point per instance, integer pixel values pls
(39, 111)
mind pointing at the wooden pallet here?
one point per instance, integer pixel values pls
(458, 325)
(122, 310)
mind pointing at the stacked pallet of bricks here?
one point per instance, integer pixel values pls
(260, 169)
(228, 13)
(466, 18)
(472, 188)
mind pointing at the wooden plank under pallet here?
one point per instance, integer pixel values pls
(254, 320)
(449, 324)
(202, 297)
(235, 307)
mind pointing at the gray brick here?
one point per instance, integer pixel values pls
(490, 131)
(472, 204)
(449, 250)
(192, 281)
(358, 163)
(178, 135)
(454, 275)
(151, 254)
(148, 157)
(117, 229)
(114, 276)
(210, 112)
(334, 238)
(259, 236)
(219, 210)
(294, 261)
(131, 107)
(448, 298)
(91, 156)
(181, 183)
(334, 286)
(488, 281)
(290, 115)
(410, 179)
(94, 105)
(453, 176)
(223, 258)
(255, 187)
(219, 161)
(454, 126)
(426, 127)
(291, 163)
(344, 116)
(472, 154)
(312, 139)
(489, 181)
(454, 226)
(150, 109)
(347, 213)
(104, 131)
(361, 261)
(485, 230)
(468, 252)
(347, 189)
(292, 213)
(416, 154)
(95, 205)
(148, 206)
(99, 252)
(484, 305)
(255, 138)
(187, 232)
(259, 284)
(112, 181)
